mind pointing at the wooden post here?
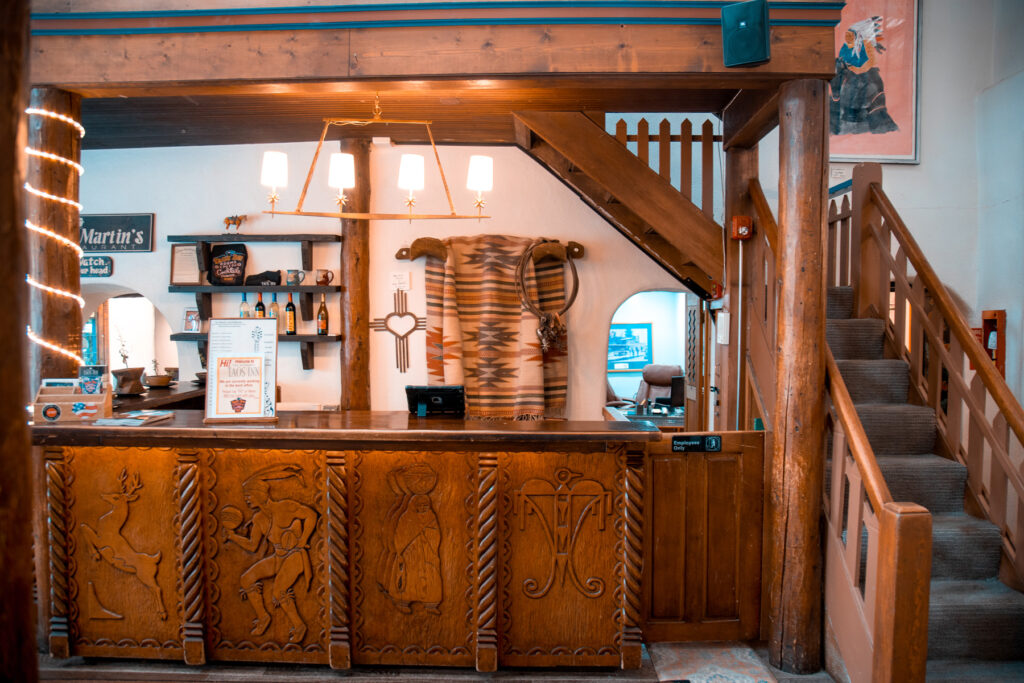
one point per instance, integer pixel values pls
(55, 318)
(866, 275)
(794, 540)
(355, 282)
(17, 621)
(740, 169)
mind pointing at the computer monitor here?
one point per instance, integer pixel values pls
(445, 399)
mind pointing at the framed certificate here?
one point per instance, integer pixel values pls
(185, 269)
(241, 384)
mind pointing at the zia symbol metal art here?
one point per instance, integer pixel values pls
(562, 507)
(400, 323)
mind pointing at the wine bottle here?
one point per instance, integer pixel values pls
(243, 309)
(289, 316)
(261, 310)
(275, 311)
(321, 317)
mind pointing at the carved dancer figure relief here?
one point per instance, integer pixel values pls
(279, 532)
(107, 542)
(411, 560)
(561, 508)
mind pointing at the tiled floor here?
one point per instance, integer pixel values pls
(694, 662)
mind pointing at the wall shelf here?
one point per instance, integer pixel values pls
(305, 239)
(204, 294)
(306, 340)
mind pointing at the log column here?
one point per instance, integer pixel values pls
(56, 319)
(794, 542)
(17, 623)
(355, 281)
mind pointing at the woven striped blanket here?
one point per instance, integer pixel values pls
(479, 335)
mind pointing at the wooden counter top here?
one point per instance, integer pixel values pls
(344, 430)
(159, 397)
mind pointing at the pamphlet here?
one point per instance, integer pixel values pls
(134, 418)
(90, 378)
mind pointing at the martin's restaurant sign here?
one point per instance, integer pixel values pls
(116, 232)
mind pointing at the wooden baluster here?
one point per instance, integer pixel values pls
(844, 242)
(916, 338)
(932, 389)
(872, 564)
(643, 142)
(900, 305)
(854, 517)
(620, 132)
(830, 250)
(976, 447)
(686, 158)
(707, 169)
(840, 462)
(954, 403)
(997, 481)
(665, 150)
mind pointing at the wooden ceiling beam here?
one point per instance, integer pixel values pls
(750, 116)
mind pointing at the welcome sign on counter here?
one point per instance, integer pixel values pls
(241, 367)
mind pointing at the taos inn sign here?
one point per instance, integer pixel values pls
(116, 232)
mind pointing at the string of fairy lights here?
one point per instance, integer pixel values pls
(61, 241)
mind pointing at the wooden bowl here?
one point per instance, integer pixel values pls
(157, 380)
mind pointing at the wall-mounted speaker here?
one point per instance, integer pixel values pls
(745, 33)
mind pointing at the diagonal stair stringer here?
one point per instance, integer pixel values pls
(625, 191)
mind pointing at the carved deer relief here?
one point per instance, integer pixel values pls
(107, 542)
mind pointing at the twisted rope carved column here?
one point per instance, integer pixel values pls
(56, 512)
(486, 563)
(54, 318)
(632, 637)
(193, 603)
(337, 548)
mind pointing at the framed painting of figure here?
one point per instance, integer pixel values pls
(873, 97)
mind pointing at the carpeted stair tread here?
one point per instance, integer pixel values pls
(931, 481)
(970, 670)
(857, 338)
(876, 381)
(964, 547)
(902, 429)
(976, 619)
(839, 303)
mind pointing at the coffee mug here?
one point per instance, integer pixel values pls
(324, 277)
(295, 277)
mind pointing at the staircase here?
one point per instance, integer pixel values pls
(975, 623)
(623, 189)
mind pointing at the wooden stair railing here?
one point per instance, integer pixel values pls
(878, 604)
(980, 422)
(761, 305)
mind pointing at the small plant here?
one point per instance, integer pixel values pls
(156, 367)
(122, 347)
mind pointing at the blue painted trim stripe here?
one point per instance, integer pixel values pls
(840, 188)
(412, 23)
(414, 7)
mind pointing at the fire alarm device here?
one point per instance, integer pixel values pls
(742, 227)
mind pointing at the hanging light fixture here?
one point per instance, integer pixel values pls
(274, 175)
(480, 178)
(341, 176)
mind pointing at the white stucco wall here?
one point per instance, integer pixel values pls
(191, 190)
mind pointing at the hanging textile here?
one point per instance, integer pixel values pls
(479, 334)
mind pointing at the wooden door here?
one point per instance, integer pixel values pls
(702, 535)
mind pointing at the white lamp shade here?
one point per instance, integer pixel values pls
(481, 173)
(275, 169)
(410, 172)
(342, 173)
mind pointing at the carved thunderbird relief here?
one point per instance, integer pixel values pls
(107, 542)
(411, 560)
(279, 532)
(561, 508)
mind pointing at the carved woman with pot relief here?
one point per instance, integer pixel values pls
(411, 561)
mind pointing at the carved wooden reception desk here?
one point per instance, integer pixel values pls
(346, 539)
